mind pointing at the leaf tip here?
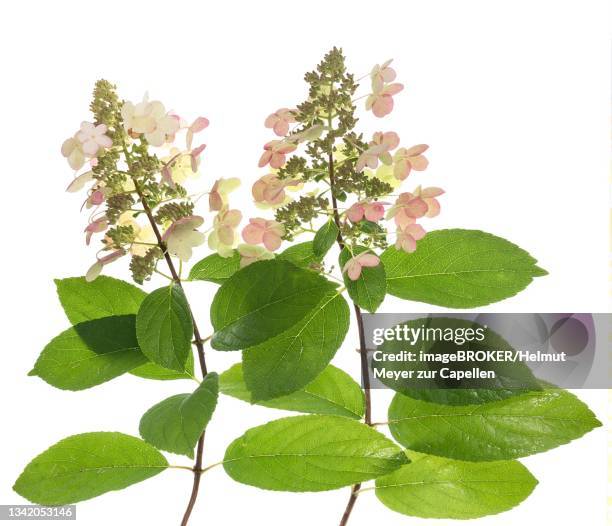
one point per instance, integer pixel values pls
(539, 271)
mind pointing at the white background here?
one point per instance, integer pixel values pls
(512, 97)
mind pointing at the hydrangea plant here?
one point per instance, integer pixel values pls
(283, 302)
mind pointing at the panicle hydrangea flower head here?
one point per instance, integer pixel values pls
(140, 205)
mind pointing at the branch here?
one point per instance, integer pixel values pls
(363, 352)
(197, 338)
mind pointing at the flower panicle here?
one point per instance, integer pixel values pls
(134, 163)
(321, 167)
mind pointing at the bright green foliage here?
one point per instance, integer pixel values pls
(301, 255)
(511, 428)
(176, 423)
(368, 291)
(152, 371)
(325, 238)
(311, 453)
(164, 327)
(90, 353)
(105, 296)
(333, 392)
(459, 268)
(263, 300)
(294, 358)
(81, 467)
(441, 488)
(215, 268)
(511, 378)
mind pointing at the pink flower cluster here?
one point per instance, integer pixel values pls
(380, 101)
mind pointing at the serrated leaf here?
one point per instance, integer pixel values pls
(90, 353)
(512, 428)
(441, 488)
(460, 269)
(325, 238)
(215, 268)
(263, 300)
(511, 378)
(176, 423)
(164, 327)
(84, 466)
(152, 371)
(294, 358)
(103, 297)
(368, 291)
(311, 453)
(333, 392)
(300, 254)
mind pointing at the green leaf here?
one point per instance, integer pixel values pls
(369, 290)
(440, 488)
(301, 255)
(460, 269)
(333, 392)
(152, 371)
(215, 268)
(164, 327)
(511, 378)
(512, 428)
(103, 297)
(296, 357)
(90, 353)
(176, 423)
(263, 300)
(311, 453)
(325, 238)
(81, 467)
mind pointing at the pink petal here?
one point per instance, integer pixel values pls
(199, 124)
(382, 106)
(265, 158)
(393, 89)
(401, 170)
(353, 269)
(252, 234)
(374, 212)
(277, 160)
(416, 207)
(391, 140)
(432, 191)
(433, 207)
(419, 163)
(416, 150)
(355, 213)
(415, 231)
(368, 259)
(271, 120)
(281, 128)
(271, 241)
